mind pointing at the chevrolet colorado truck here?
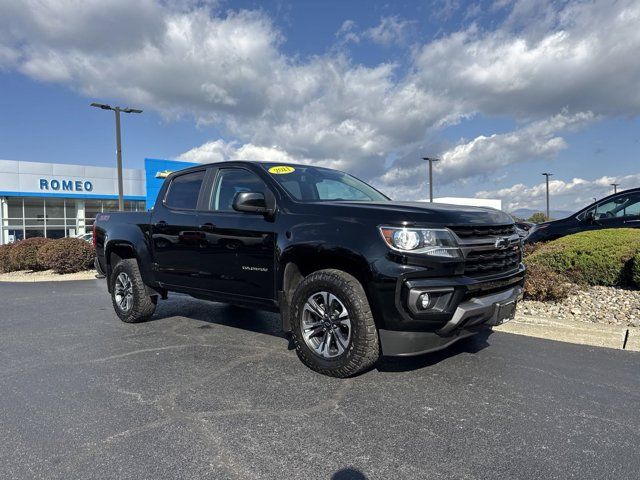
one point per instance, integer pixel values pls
(353, 274)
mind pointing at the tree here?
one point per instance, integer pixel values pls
(538, 217)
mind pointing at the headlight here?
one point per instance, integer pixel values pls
(427, 241)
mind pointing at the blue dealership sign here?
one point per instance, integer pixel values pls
(66, 185)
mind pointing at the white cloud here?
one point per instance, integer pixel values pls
(443, 10)
(567, 195)
(219, 151)
(534, 141)
(584, 63)
(486, 155)
(348, 32)
(391, 30)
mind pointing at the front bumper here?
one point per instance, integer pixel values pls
(470, 317)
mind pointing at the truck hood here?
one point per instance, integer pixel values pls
(419, 212)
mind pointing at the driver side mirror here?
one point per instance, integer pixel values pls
(590, 218)
(250, 202)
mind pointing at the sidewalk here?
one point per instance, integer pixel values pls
(571, 331)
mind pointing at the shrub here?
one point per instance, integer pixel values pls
(543, 284)
(529, 248)
(538, 217)
(24, 254)
(67, 255)
(599, 257)
(635, 270)
(6, 265)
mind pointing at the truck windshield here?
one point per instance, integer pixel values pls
(315, 184)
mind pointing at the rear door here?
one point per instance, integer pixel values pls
(238, 254)
(175, 236)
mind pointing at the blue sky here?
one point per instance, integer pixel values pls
(500, 90)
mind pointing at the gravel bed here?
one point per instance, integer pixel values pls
(610, 305)
(45, 276)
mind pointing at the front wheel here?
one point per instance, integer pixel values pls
(332, 324)
(128, 293)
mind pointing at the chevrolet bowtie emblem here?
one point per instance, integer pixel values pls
(502, 243)
(163, 174)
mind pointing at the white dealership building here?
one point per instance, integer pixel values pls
(57, 200)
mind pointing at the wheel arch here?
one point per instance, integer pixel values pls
(299, 263)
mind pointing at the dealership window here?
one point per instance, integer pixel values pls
(54, 217)
(14, 223)
(93, 207)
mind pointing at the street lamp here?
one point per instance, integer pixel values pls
(546, 174)
(615, 187)
(117, 111)
(431, 160)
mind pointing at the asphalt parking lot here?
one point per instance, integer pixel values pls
(210, 391)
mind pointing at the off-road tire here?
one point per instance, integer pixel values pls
(363, 350)
(143, 305)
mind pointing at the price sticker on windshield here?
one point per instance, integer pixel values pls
(281, 170)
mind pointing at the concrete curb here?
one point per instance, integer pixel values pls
(633, 340)
(571, 331)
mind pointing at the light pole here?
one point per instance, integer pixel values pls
(117, 111)
(546, 174)
(615, 187)
(431, 160)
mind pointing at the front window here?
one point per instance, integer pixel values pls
(314, 184)
(229, 183)
(626, 205)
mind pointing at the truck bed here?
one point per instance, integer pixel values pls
(132, 218)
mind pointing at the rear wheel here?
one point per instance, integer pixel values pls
(128, 293)
(332, 324)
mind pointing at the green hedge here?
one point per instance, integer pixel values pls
(635, 270)
(543, 284)
(67, 255)
(6, 265)
(600, 257)
(24, 254)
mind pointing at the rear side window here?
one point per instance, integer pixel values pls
(184, 190)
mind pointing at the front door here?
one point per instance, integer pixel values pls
(175, 237)
(620, 211)
(238, 254)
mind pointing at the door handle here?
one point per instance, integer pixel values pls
(632, 221)
(207, 226)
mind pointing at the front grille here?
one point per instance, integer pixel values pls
(488, 262)
(480, 231)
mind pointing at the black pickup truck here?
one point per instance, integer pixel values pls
(353, 274)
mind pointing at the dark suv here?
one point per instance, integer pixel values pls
(353, 274)
(620, 210)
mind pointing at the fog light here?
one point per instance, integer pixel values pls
(434, 300)
(424, 301)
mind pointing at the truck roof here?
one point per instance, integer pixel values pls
(245, 162)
